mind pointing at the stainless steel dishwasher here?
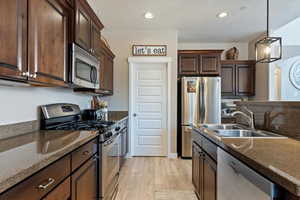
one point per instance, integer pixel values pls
(236, 181)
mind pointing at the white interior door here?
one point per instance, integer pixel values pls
(149, 108)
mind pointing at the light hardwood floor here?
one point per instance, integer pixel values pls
(141, 177)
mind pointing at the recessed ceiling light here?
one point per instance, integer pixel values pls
(222, 15)
(149, 15)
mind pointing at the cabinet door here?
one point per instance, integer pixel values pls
(62, 192)
(48, 41)
(188, 64)
(209, 178)
(82, 27)
(13, 42)
(228, 80)
(107, 73)
(195, 168)
(96, 41)
(84, 181)
(210, 64)
(245, 74)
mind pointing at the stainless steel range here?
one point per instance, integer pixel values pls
(69, 117)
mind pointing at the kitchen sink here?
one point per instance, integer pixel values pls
(222, 126)
(245, 133)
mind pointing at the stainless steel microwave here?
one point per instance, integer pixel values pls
(85, 69)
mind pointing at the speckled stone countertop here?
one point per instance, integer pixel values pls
(117, 115)
(23, 155)
(276, 158)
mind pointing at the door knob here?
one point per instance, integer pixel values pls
(134, 114)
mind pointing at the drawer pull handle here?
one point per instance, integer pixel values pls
(50, 182)
(85, 153)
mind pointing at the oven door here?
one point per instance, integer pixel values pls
(85, 71)
(110, 167)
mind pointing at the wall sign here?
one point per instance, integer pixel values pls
(149, 50)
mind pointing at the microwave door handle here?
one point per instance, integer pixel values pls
(92, 75)
(96, 75)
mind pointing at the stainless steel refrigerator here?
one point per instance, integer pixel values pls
(201, 104)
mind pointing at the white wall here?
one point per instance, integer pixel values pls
(281, 87)
(19, 104)
(121, 42)
(242, 47)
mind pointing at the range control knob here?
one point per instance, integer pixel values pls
(118, 128)
(108, 135)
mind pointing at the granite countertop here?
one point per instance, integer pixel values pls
(276, 158)
(117, 115)
(23, 155)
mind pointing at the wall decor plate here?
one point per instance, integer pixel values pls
(295, 74)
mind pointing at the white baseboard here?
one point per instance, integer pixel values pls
(173, 155)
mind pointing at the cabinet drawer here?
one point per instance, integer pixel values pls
(62, 192)
(83, 154)
(210, 148)
(41, 183)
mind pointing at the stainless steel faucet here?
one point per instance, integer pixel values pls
(249, 117)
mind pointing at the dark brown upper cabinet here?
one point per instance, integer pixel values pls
(37, 35)
(228, 79)
(210, 64)
(199, 62)
(96, 41)
(238, 78)
(87, 27)
(188, 64)
(83, 26)
(107, 70)
(48, 41)
(13, 39)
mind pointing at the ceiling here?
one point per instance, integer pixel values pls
(196, 20)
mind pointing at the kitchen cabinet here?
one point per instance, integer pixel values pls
(197, 170)
(48, 41)
(83, 26)
(62, 192)
(73, 177)
(84, 181)
(87, 28)
(96, 41)
(35, 187)
(204, 168)
(188, 64)
(199, 62)
(210, 64)
(13, 39)
(209, 178)
(107, 70)
(238, 78)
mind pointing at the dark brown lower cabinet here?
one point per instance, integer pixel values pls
(196, 168)
(209, 178)
(204, 174)
(62, 192)
(84, 181)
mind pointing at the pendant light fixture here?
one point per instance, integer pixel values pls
(268, 49)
